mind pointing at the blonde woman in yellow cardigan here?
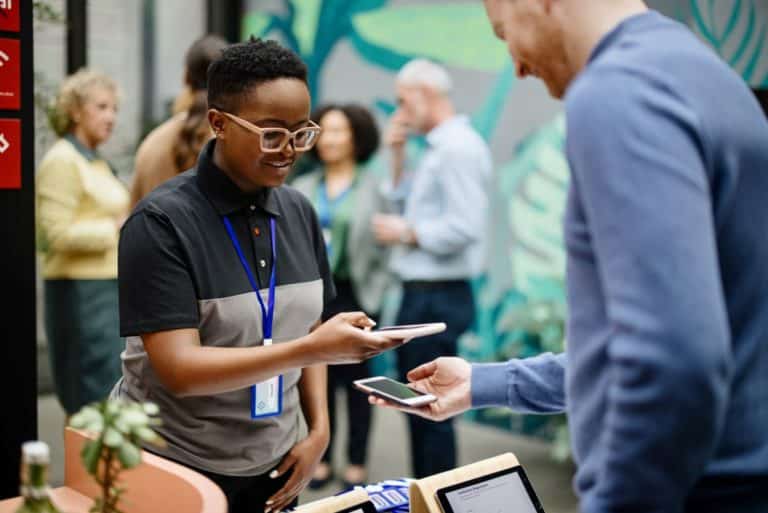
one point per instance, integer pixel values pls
(81, 205)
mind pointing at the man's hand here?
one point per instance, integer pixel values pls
(395, 137)
(448, 379)
(396, 133)
(346, 338)
(301, 461)
(390, 229)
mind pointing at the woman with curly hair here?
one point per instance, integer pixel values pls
(346, 196)
(173, 146)
(80, 206)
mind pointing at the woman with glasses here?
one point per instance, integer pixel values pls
(346, 196)
(223, 280)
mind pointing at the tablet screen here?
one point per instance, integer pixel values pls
(503, 492)
(361, 508)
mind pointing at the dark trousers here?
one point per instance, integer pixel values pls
(83, 328)
(247, 494)
(433, 444)
(359, 411)
(731, 494)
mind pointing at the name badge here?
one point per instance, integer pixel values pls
(267, 398)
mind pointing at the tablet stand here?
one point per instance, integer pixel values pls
(422, 492)
(336, 503)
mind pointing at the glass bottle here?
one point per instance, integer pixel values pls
(35, 458)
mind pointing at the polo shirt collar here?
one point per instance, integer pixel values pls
(226, 197)
(87, 153)
(444, 131)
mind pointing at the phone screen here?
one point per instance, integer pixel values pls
(393, 388)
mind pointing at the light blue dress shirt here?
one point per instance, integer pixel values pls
(446, 203)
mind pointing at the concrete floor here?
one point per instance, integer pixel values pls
(551, 480)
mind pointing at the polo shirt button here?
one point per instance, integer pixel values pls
(262, 263)
(253, 207)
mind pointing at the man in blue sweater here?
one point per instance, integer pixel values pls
(665, 377)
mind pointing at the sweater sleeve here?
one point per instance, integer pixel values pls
(530, 385)
(635, 149)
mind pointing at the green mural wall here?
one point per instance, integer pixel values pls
(520, 299)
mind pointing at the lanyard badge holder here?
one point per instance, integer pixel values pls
(267, 396)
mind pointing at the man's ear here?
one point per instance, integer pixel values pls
(216, 120)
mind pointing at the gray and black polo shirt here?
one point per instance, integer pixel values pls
(178, 269)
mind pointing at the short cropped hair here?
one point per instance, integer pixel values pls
(73, 93)
(425, 73)
(365, 132)
(244, 65)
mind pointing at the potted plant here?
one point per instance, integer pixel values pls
(119, 428)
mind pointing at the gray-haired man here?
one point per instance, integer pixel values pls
(444, 201)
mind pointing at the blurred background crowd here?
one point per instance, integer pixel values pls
(120, 87)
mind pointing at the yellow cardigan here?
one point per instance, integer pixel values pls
(79, 203)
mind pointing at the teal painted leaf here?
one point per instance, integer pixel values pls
(378, 55)
(455, 34)
(305, 17)
(257, 24)
(737, 30)
(487, 117)
(367, 5)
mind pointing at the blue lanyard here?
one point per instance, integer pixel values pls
(267, 313)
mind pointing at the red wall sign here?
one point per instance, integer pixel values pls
(10, 74)
(9, 15)
(10, 154)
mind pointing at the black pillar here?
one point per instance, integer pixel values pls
(225, 18)
(18, 337)
(77, 35)
(148, 45)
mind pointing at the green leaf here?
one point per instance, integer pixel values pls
(112, 438)
(146, 434)
(151, 409)
(129, 455)
(121, 425)
(90, 456)
(113, 407)
(134, 417)
(424, 30)
(88, 415)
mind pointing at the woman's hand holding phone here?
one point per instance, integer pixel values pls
(347, 338)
